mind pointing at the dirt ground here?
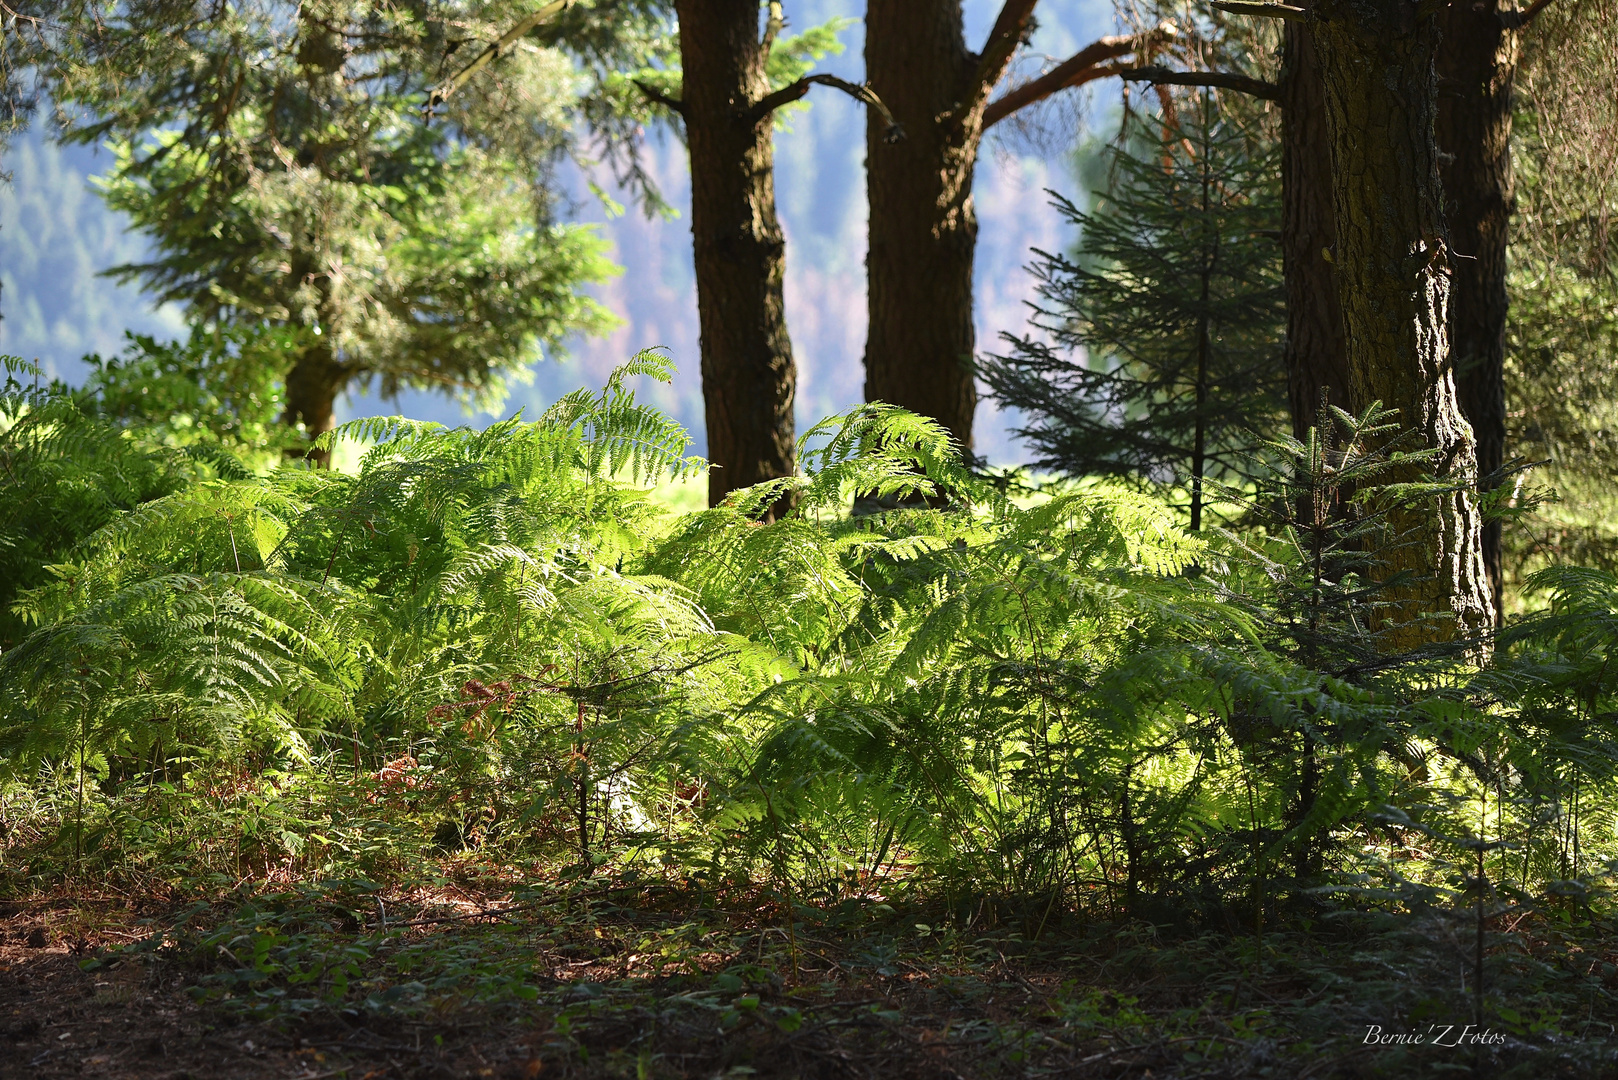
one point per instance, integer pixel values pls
(60, 1021)
(71, 1005)
(127, 1020)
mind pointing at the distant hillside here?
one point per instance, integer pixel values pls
(55, 237)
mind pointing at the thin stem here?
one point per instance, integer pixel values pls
(1204, 331)
(1483, 888)
(78, 829)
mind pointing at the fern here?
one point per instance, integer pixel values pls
(65, 472)
(1071, 705)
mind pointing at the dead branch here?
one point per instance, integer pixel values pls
(442, 92)
(858, 91)
(1161, 76)
(1268, 11)
(1082, 67)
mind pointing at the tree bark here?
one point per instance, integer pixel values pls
(923, 227)
(748, 376)
(1316, 348)
(1477, 63)
(1392, 259)
(312, 387)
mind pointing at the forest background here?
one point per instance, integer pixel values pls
(477, 751)
(56, 236)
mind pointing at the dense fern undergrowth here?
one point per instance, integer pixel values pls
(497, 648)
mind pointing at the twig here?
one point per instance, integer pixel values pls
(859, 91)
(1156, 1046)
(652, 93)
(442, 92)
(1162, 76)
(1268, 11)
(1324, 1063)
(488, 914)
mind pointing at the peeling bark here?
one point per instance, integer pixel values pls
(1477, 64)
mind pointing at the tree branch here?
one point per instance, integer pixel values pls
(652, 93)
(1269, 11)
(772, 28)
(1009, 30)
(442, 92)
(1516, 20)
(792, 92)
(1161, 76)
(1076, 70)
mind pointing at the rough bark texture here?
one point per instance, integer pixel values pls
(923, 230)
(748, 376)
(1477, 62)
(311, 396)
(1392, 260)
(1316, 351)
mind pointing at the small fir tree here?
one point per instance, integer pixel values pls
(1159, 343)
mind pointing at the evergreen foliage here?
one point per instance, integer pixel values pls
(216, 390)
(278, 158)
(1164, 330)
(221, 666)
(20, 46)
(393, 277)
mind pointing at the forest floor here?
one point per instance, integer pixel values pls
(637, 979)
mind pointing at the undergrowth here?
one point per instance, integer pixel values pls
(227, 686)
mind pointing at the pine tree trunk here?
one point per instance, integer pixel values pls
(923, 228)
(312, 387)
(748, 376)
(1477, 62)
(1377, 67)
(1316, 350)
